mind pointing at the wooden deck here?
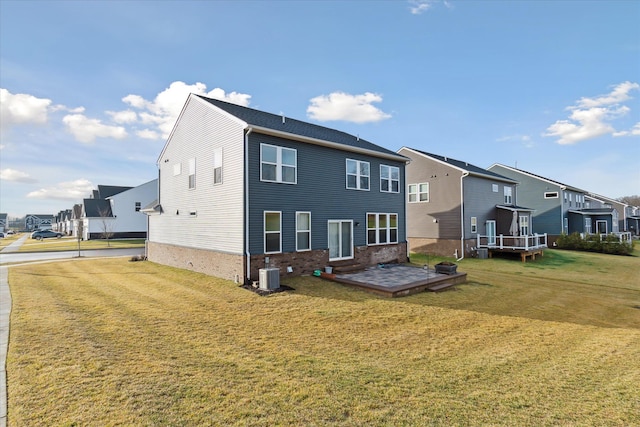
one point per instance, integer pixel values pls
(524, 253)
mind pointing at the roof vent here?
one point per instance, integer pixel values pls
(283, 119)
(445, 159)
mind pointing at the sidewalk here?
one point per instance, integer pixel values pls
(15, 245)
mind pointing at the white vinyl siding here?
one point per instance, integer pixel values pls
(278, 164)
(219, 224)
(358, 175)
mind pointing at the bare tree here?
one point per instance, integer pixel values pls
(106, 224)
(630, 200)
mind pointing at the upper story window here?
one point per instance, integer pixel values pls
(389, 179)
(419, 192)
(217, 166)
(138, 206)
(192, 173)
(358, 175)
(177, 169)
(551, 195)
(508, 195)
(278, 164)
(495, 188)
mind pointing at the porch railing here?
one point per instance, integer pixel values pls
(535, 241)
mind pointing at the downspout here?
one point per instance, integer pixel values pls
(246, 205)
(464, 174)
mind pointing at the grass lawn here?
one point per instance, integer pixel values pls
(113, 342)
(71, 244)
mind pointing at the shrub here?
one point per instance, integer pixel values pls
(594, 243)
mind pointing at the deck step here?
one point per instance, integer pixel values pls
(349, 268)
(441, 286)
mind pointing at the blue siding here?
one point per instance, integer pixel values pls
(321, 190)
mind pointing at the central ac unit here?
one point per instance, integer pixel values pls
(269, 278)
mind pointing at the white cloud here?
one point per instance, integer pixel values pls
(87, 130)
(167, 105)
(634, 131)
(148, 134)
(418, 7)
(22, 108)
(592, 117)
(16, 176)
(346, 107)
(123, 117)
(71, 190)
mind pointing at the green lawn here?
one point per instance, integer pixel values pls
(113, 342)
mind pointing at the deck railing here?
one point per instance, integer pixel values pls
(535, 241)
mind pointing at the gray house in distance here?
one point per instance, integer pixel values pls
(559, 208)
(242, 189)
(451, 202)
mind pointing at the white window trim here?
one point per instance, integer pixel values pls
(303, 231)
(508, 195)
(474, 224)
(340, 222)
(217, 163)
(378, 229)
(265, 232)
(192, 173)
(390, 180)
(177, 169)
(357, 175)
(495, 188)
(550, 195)
(279, 165)
(418, 193)
(523, 222)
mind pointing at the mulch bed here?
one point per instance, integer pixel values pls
(266, 292)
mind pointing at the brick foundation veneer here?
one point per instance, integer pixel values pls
(231, 267)
(218, 264)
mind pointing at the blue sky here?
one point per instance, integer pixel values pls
(90, 90)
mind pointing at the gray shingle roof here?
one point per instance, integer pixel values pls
(297, 127)
(472, 169)
(97, 208)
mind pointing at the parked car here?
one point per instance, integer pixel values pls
(45, 234)
(10, 232)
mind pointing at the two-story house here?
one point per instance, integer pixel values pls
(38, 221)
(116, 212)
(242, 189)
(559, 208)
(451, 202)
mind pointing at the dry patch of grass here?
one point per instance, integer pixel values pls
(111, 342)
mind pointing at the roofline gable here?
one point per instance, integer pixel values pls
(540, 178)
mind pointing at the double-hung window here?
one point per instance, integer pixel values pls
(389, 179)
(192, 174)
(217, 166)
(358, 175)
(138, 206)
(474, 224)
(278, 164)
(419, 192)
(382, 228)
(508, 197)
(272, 232)
(303, 231)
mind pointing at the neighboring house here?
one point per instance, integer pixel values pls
(451, 202)
(619, 211)
(632, 213)
(4, 224)
(35, 222)
(559, 208)
(242, 189)
(118, 215)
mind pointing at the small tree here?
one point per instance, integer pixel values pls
(106, 224)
